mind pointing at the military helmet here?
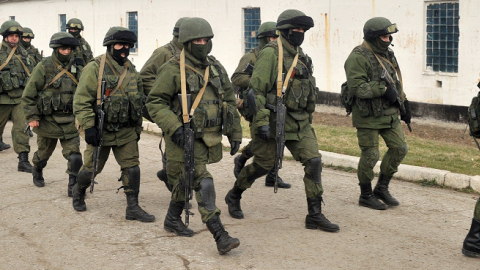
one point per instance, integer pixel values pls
(28, 33)
(11, 27)
(74, 23)
(176, 29)
(292, 18)
(267, 29)
(118, 34)
(194, 28)
(378, 26)
(62, 39)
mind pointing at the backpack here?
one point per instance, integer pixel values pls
(474, 116)
(346, 98)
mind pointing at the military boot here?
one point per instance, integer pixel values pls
(233, 201)
(315, 219)
(270, 180)
(381, 191)
(369, 200)
(173, 220)
(78, 196)
(471, 244)
(75, 161)
(162, 175)
(134, 211)
(225, 242)
(38, 179)
(239, 162)
(23, 163)
(4, 146)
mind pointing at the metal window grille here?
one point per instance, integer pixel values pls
(251, 24)
(442, 37)
(63, 22)
(133, 26)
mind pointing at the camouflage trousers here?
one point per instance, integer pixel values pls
(368, 141)
(19, 138)
(46, 146)
(126, 156)
(176, 172)
(264, 157)
(476, 213)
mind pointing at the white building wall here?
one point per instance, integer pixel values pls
(338, 28)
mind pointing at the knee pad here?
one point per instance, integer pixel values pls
(207, 192)
(315, 165)
(84, 178)
(76, 162)
(370, 157)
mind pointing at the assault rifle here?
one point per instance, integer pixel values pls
(99, 121)
(281, 111)
(399, 103)
(189, 161)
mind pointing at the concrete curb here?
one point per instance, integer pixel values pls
(405, 172)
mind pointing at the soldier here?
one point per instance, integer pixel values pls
(375, 110)
(3, 146)
(471, 244)
(208, 83)
(83, 51)
(299, 99)
(123, 119)
(26, 42)
(241, 78)
(15, 68)
(149, 74)
(52, 84)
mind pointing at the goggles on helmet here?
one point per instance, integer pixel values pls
(14, 29)
(75, 25)
(27, 35)
(388, 30)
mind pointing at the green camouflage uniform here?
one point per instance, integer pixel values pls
(83, 51)
(164, 107)
(55, 115)
(12, 83)
(372, 114)
(33, 54)
(123, 115)
(299, 99)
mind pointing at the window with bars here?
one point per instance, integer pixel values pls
(442, 37)
(62, 19)
(133, 26)
(12, 18)
(251, 23)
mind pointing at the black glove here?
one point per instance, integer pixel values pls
(138, 137)
(234, 146)
(178, 138)
(407, 118)
(91, 136)
(79, 61)
(264, 132)
(390, 94)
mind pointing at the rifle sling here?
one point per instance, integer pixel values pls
(62, 71)
(23, 65)
(183, 87)
(281, 87)
(383, 66)
(8, 58)
(120, 80)
(99, 82)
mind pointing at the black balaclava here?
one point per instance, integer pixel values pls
(116, 54)
(294, 37)
(75, 34)
(64, 59)
(380, 46)
(201, 51)
(24, 43)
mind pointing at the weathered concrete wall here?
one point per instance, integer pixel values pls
(338, 28)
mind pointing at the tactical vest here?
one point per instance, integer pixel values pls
(213, 115)
(124, 107)
(13, 76)
(34, 55)
(57, 98)
(300, 94)
(83, 51)
(377, 106)
(173, 49)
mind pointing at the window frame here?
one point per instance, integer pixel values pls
(60, 22)
(134, 49)
(249, 27)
